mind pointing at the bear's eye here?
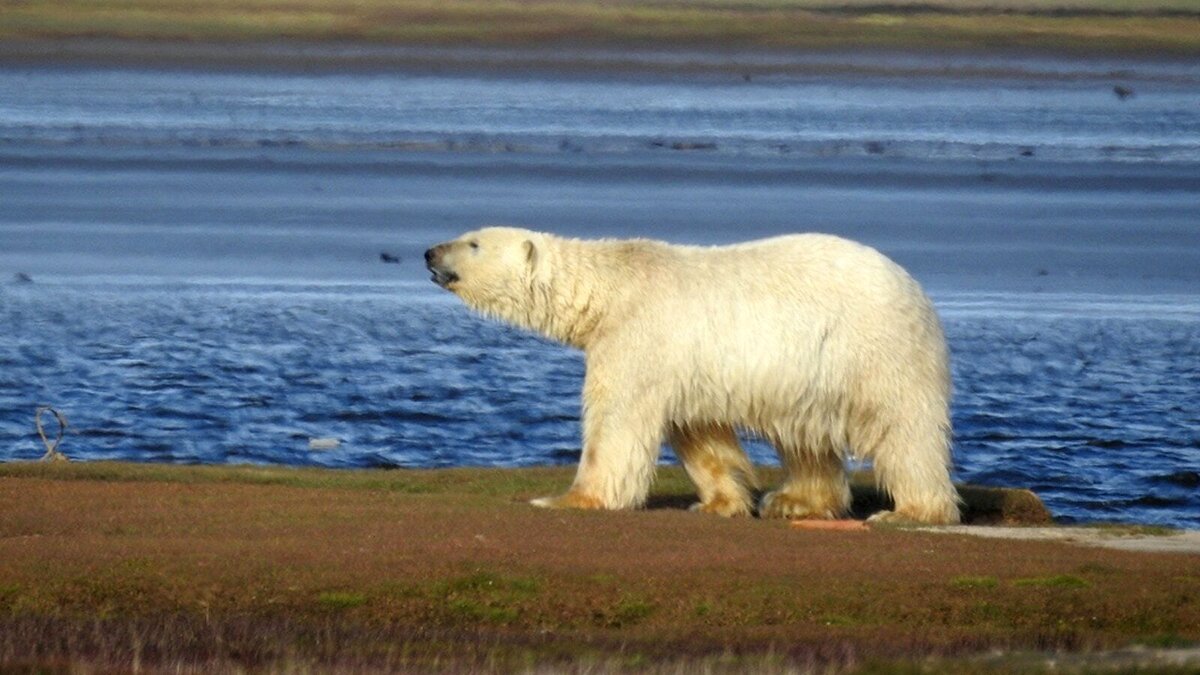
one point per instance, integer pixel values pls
(474, 245)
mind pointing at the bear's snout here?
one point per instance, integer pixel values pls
(434, 255)
(442, 276)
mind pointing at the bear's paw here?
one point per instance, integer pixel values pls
(723, 506)
(938, 515)
(781, 504)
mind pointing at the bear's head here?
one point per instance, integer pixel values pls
(492, 270)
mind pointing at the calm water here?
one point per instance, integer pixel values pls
(207, 287)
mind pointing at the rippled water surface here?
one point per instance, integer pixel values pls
(204, 248)
(1089, 402)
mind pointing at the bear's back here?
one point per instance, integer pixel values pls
(800, 302)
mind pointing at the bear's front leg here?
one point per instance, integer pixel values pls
(621, 441)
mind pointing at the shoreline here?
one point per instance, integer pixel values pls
(599, 60)
(1120, 537)
(1004, 513)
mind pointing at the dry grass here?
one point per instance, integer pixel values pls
(1139, 26)
(113, 565)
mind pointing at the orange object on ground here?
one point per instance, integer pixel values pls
(845, 525)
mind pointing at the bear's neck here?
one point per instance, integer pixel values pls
(579, 289)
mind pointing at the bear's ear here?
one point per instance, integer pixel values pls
(531, 253)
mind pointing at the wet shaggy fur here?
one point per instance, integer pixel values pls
(822, 346)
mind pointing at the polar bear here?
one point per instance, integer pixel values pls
(822, 346)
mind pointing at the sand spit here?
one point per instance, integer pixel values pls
(1122, 538)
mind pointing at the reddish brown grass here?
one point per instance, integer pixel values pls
(374, 570)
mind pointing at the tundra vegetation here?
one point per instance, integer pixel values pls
(118, 566)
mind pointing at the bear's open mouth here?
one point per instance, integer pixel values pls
(443, 278)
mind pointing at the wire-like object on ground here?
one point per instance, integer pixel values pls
(52, 453)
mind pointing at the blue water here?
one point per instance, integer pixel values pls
(1088, 401)
(207, 288)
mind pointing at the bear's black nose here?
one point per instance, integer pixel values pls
(429, 257)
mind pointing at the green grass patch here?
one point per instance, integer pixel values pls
(1126, 530)
(1056, 581)
(1167, 641)
(476, 610)
(338, 600)
(987, 612)
(629, 610)
(8, 596)
(486, 597)
(1098, 569)
(482, 583)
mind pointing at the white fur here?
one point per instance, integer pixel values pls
(820, 345)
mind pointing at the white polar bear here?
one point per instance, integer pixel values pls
(822, 346)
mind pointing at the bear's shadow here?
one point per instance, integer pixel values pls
(865, 500)
(981, 505)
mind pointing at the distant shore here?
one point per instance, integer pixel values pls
(742, 63)
(122, 566)
(250, 31)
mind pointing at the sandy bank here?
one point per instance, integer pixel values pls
(1122, 538)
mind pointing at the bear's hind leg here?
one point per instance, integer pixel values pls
(815, 487)
(716, 463)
